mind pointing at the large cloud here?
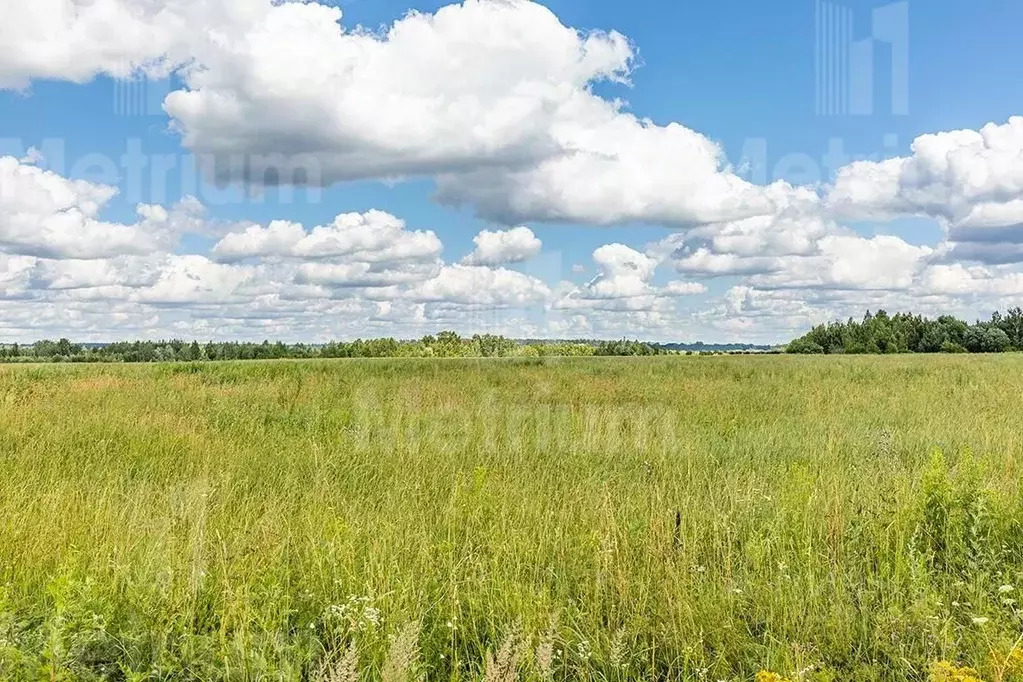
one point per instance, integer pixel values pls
(615, 168)
(45, 214)
(481, 83)
(494, 97)
(969, 180)
(77, 40)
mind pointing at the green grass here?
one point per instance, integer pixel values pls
(658, 518)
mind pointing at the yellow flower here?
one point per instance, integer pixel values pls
(943, 671)
(1013, 663)
(767, 676)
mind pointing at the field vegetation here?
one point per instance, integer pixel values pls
(665, 518)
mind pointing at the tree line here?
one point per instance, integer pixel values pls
(907, 333)
(443, 345)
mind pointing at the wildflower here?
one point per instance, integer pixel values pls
(1014, 661)
(806, 671)
(943, 671)
(980, 620)
(357, 611)
(1005, 589)
(767, 676)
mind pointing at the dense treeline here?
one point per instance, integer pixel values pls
(443, 345)
(907, 333)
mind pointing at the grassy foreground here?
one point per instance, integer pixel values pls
(855, 518)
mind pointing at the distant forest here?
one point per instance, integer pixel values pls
(443, 345)
(907, 333)
(876, 333)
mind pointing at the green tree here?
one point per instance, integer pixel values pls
(805, 346)
(984, 338)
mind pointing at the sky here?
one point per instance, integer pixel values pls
(724, 171)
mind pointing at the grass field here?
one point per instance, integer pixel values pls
(690, 518)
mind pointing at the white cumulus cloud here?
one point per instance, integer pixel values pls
(969, 180)
(374, 236)
(45, 214)
(493, 97)
(504, 246)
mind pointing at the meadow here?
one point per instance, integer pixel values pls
(666, 518)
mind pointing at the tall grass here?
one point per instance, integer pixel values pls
(656, 518)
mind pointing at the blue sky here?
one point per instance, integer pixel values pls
(740, 75)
